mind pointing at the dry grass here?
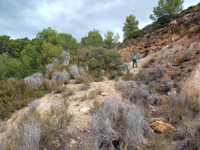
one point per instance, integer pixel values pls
(68, 92)
(95, 92)
(40, 132)
(179, 108)
(84, 97)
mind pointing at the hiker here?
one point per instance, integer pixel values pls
(135, 60)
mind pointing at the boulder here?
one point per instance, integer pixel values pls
(162, 127)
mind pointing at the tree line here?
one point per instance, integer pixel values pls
(22, 57)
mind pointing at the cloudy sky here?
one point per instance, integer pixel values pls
(25, 18)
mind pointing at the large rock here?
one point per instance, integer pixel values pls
(192, 85)
(162, 127)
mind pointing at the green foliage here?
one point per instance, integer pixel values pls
(4, 39)
(110, 40)
(12, 69)
(48, 35)
(98, 59)
(16, 95)
(94, 39)
(16, 46)
(48, 53)
(130, 28)
(166, 7)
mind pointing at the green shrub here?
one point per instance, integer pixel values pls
(16, 96)
(175, 75)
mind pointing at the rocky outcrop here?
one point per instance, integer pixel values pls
(162, 127)
(192, 85)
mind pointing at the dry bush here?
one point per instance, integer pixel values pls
(155, 100)
(81, 70)
(11, 81)
(125, 67)
(148, 63)
(151, 86)
(140, 95)
(85, 78)
(143, 76)
(164, 87)
(179, 108)
(128, 76)
(126, 85)
(62, 77)
(50, 66)
(3, 125)
(74, 71)
(102, 72)
(27, 135)
(33, 105)
(105, 122)
(92, 94)
(34, 81)
(158, 72)
(65, 57)
(171, 45)
(97, 105)
(68, 92)
(84, 97)
(56, 86)
(161, 142)
(186, 56)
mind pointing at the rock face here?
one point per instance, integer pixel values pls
(192, 85)
(162, 127)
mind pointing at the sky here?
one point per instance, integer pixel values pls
(25, 18)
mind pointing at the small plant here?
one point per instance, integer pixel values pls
(140, 95)
(104, 124)
(74, 71)
(179, 107)
(97, 105)
(158, 72)
(186, 56)
(175, 75)
(171, 45)
(147, 64)
(92, 94)
(34, 81)
(65, 57)
(62, 77)
(189, 70)
(84, 97)
(164, 87)
(33, 105)
(126, 85)
(68, 92)
(161, 142)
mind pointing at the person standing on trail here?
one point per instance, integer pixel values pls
(135, 60)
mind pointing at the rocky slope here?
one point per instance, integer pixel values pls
(176, 46)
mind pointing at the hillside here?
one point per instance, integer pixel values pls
(154, 106)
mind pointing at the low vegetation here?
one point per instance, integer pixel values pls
(40, 132)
